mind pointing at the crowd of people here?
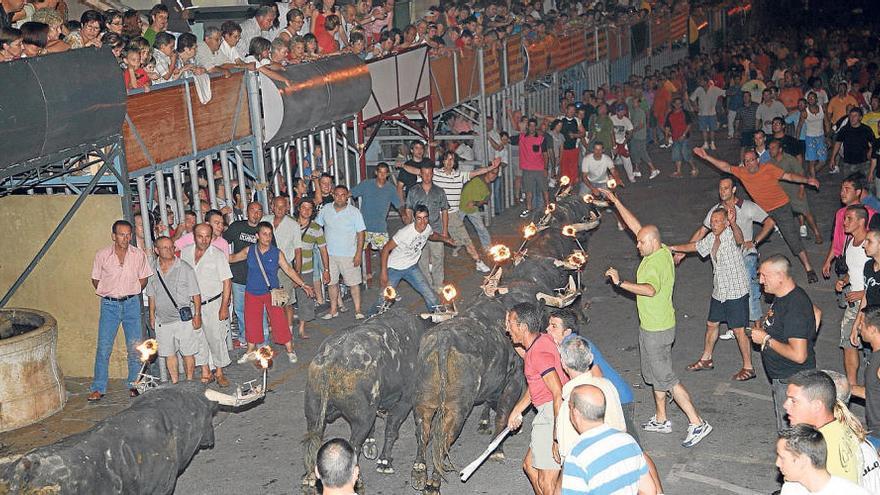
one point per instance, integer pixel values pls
(794, 106)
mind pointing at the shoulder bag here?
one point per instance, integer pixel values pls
(279, 296)
(185, 312)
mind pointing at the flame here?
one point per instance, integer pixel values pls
(569, 231)
(588, 198)
(264, 357)
(550, 208)
(564, 180)
(611, 183)
(449, 292)
(389, 293)
(499, 253)
(577, 258)
(530, 230)
(147, 349)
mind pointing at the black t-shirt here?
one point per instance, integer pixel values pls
(241, 235)
(569, 126)
(872, 283)
(872, 392)
(790, 145)
(792, 318)
(407, 178)
(855, 142)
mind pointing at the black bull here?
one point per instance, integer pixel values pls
(460, 363)
(140, 450)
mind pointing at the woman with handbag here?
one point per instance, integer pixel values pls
(263, 292)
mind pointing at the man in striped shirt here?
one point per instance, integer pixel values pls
(604, 460)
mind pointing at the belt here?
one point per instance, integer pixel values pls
(210, 300)
(119, 299)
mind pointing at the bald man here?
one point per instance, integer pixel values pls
(653, 287)
(586, 468)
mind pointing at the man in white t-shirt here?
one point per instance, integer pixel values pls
(400, 258)
(596, 167)
(800, 456)
(855, 226)
(706, 97)
(623, 128)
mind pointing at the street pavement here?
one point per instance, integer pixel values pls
(259, 450)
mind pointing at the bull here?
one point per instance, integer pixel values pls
(140, 450)
(362, 372)
(468, 361)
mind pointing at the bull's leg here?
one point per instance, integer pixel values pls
(393, 420)
(422, 418)
(361, 426)
(484, 420)
(505, 404)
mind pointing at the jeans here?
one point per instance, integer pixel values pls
(751, 262)
(416, 279)
(128, 313)
(431, 263)
(238, 307)
(476, 220)
(778, 389)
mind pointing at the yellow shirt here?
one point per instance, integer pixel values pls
(872, 120)
(844, 456)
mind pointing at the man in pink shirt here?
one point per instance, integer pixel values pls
(852, 192)
(545, 378)
(215, 219)
(119, 274)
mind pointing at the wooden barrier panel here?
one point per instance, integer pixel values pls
(678, 25)
(614, 51)
(539, 57)
(590, 45)
(660, 32)
(442, 85)
(492, 70)
(516, 61)
(601, 44)
(161, 121)
(568, 51)
(468, 75)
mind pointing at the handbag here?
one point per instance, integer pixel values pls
(184, 312)
(280, 297)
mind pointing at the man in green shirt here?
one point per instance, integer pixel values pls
(158, 23)
(655, 280)
(475, 194)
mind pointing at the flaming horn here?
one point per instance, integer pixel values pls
(528, 232)
(389, 295)
(548, 214)
(499, 253)
(145, 381)
(444, 311)
(590, 200)
(572, 231)
(564, 187)
(264, 361)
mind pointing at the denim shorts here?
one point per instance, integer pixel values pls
(681, 151)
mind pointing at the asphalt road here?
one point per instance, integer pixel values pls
(259, 451)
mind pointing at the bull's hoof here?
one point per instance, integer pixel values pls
(308, 486)
(359, 487)
(371, 451)
(484, 428)
(384, 466)
(419, 476)
(497, 456)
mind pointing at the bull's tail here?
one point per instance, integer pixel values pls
(439, 437)
(315, 427)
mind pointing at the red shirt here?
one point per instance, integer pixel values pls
(678, 121)
(542, 357)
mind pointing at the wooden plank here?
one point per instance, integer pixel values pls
(539, 57)
(516, 61)
(160, 119)
(602, 43)
(442, 83)
(468, 75)
(214, 119)
(492, 70)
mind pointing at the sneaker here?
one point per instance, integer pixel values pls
(524, 214)
(358, 316)
(293, 359)
(481, 267)
(654, 174)
(728, 335)
(658, 427)
(705, 146)
(712, 146)
(343, 309)
(663, 146)
(803, 231)
(247, 357)
(329, 316)
(696, 433)
(835, 170)
(637, 174)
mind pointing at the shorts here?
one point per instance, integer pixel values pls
(799, 206)
(344, 266)
(638, 151)
(846, 324)
(681, 151)
(288, 285)
(177, 337)
(735, 312)
(747, 139)
(376, 240)
(534, 181)
(788, 228)
(542, 438)
(629, 412)
(816, 151)
(708, 122)
(305, 305)
(655, 354)
(457, 230)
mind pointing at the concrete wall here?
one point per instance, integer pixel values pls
(61, 282)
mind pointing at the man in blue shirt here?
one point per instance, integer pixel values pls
(376, 196)
(344, 231)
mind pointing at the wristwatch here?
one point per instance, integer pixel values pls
(620, 282)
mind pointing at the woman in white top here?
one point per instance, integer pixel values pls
(813, 117)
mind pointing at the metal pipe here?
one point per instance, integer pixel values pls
(227, 182)
(484, 143)
(196, 203)
(335, 154)
(142, 195)
(323, 137)
(358, 133)
(160, 192)
(273, 155)
(288, 172)
(345, 155)
(178, 193)
(300, 144)
(312, 164)
(254, 102)
(246, 196)
(209, 176)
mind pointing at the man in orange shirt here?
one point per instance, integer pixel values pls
(790, 93)
(762, 183)
(662, 100)
(840, 104)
